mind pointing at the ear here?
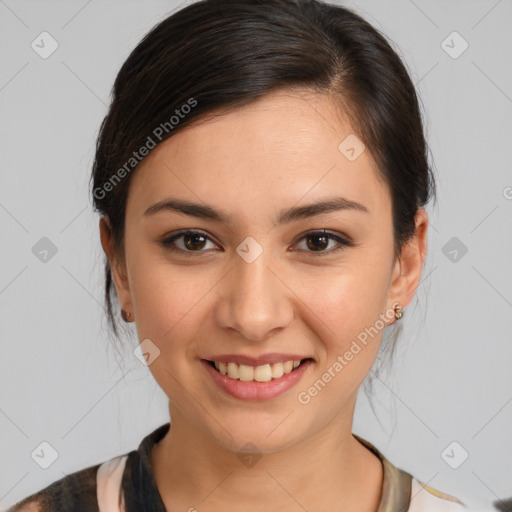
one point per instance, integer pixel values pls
(118, 268)
(409, 265)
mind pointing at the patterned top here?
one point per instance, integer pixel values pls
(126, 484)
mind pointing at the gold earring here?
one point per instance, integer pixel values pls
(126, 316)
(398, 311)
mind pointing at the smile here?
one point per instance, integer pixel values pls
(261, 382)
(261, 373)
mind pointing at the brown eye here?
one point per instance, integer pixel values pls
(194, 241)
(187, 241)
(318, 241)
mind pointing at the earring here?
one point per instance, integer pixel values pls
(126, 316)
(398, 311)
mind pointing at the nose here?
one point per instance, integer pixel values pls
(254, 299)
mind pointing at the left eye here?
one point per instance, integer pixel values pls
(321, 240)
(195, 241)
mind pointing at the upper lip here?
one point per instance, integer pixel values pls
(256, 361)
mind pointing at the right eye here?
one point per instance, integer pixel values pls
(189, 241)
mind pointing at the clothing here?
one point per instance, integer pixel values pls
(125, 484)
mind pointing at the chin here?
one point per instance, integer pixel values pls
(257, 434)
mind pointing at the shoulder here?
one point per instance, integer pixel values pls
(102, 486)
(402, 491)
(76, 491)
(33, 506)
(427, 499)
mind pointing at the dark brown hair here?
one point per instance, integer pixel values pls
(219, 55)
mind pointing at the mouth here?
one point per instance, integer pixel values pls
(261, 373)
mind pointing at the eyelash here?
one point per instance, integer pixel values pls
(168, 242)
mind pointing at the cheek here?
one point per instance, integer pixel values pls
(351, 296)
(166, 298)
(350, 304)
(167, 308)
(167, 312)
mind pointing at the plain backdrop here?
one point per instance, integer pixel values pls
(448, 394)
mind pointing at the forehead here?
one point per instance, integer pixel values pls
(275, 151)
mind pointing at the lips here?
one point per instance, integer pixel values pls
(249, 382)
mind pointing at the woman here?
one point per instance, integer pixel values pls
(261, 177)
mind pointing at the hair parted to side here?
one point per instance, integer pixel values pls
(218, 55)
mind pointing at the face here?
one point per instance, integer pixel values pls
(261, 284)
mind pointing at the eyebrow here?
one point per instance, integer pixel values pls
(287, 216)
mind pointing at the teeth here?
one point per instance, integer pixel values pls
(245, 372)
(232, 370)
(262, 373)
(277, 370)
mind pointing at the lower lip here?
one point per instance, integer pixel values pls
(252, 390)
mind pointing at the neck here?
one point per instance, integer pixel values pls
(192, 471)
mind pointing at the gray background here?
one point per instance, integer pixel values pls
(61, 380)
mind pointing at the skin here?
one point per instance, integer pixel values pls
(279, 152)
